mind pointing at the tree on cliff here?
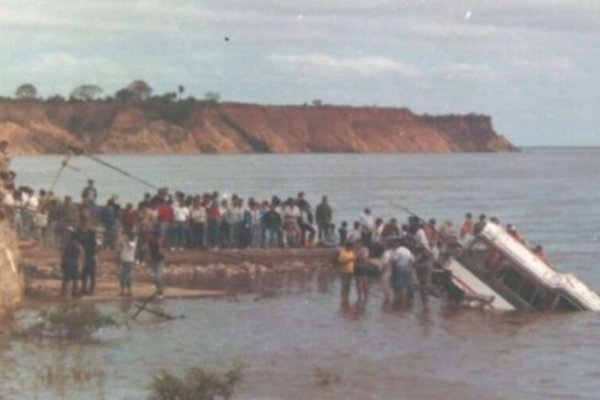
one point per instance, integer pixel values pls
(140, 89)
(86, 92)
(26, 91)
(136, 91)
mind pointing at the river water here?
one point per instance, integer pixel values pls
(551, 195)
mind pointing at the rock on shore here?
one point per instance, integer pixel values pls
(194, 127)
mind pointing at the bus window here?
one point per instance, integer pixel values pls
(476, 255)
(538, 301)
(564, 304)
(527, 291)
(512, 279)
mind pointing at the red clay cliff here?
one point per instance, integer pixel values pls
(202, 127)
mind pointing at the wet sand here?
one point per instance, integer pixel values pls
(48, 290)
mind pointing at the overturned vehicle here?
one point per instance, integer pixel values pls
(498, 266)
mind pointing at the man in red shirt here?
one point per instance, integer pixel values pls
(165, 219)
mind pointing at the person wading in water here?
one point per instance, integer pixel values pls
(157, 257)
(346, 260)
(361, 273)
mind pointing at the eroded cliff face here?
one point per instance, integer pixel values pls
(196, 127)
(11, 280)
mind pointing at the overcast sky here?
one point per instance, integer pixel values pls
(533, 65)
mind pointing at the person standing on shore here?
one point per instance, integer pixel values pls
(89, 194)
(87, 239)
(71, 256)
(346, 259)
(323, 216)
(198, 223)
(127, 261)
(157, 258)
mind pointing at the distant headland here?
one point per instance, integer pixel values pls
(167, 125)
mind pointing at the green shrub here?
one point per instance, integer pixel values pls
(70, 321)
(197, 384)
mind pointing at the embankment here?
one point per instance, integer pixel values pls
(193, 127)
(193, 274)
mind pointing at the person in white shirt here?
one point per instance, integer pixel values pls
(421, 236)
(403, 261)
(198, 220)
(291, 215)
(181, 215)
(127, 261)
(387, 266)
(367, 226)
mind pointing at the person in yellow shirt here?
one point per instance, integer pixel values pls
(346, 259)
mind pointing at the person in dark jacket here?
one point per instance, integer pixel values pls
(323, 216)
(71, 256)
(87, 240)
(157, 258)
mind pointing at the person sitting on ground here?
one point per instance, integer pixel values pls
(330, 238)
(355, 234)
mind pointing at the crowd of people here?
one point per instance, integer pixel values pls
(183, 221)
(407, 258)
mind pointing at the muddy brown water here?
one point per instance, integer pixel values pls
(551, 195)
(284, 338)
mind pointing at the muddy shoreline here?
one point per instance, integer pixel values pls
(187, 274)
